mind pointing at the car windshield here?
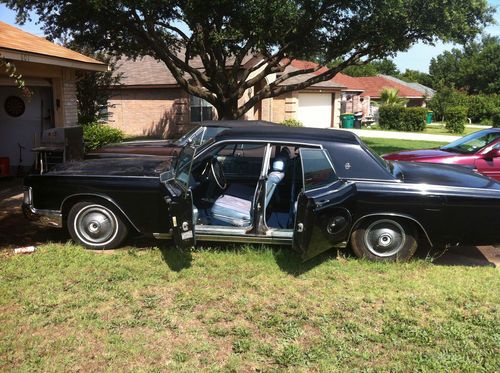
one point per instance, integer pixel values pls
(199, 135)
(471, 143)
(185, 138)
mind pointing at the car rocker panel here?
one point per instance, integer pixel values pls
(301, 187)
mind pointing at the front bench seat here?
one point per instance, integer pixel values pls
(235, 205)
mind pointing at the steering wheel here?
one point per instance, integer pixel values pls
(218, 173)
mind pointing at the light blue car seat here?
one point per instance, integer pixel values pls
(234, 206)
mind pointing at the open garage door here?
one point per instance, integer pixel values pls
(315, 109)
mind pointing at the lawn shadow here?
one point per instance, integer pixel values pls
(291, 262)
(467, 256)
(176, 259)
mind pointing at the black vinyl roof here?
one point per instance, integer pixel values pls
(277, 132)
(236, 123)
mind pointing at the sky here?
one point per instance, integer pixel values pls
(417, 57)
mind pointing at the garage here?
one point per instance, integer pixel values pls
(315, 109)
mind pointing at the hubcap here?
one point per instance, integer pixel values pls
(96, 225)
(384, 237)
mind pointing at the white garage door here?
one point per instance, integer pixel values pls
(315, 109)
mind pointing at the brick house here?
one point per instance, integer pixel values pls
(48, 70)
(149, 102)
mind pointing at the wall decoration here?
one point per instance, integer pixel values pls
(14, 106)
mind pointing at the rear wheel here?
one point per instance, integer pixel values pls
(96, 226)
(385, 239)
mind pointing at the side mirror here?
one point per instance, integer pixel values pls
(493, 153)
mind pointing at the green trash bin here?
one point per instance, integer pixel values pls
(429, 117)
(347, 120)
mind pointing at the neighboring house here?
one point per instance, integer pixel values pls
(426, 91)
(49, 72)
(148, 101)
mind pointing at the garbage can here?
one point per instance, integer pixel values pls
(347, 120)
(357, 120)
(429, 117)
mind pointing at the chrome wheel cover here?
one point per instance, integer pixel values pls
(384, 237)
(95, 225)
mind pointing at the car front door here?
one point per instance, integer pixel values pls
(324, 205)
(489, 162)
(180, 201)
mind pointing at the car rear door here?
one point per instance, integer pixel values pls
(324, 205)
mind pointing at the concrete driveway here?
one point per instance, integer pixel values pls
(16, 231)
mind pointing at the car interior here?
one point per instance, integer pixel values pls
(224, 185)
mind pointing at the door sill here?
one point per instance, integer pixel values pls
(235, 234)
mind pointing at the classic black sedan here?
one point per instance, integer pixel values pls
(313, 189)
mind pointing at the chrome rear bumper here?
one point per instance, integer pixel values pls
(48, 218)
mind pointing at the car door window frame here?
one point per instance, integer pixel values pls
(327, 156)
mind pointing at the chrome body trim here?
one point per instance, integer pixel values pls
(390, 214)
(103, 197)
(47, 218)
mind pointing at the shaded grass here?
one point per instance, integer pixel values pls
(383, 146)
(240, 309)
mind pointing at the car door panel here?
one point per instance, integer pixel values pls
(323, 213)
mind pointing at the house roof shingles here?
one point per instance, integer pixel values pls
(15, 39)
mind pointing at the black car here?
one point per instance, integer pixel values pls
(313, 189)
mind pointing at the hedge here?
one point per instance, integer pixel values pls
(292, 123)
(455, 118)
(96, 135)
(410, 119)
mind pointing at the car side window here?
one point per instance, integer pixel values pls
(317, 169)
(242, 159)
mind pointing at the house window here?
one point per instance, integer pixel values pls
(200, 109)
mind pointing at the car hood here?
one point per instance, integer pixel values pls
(441, 174)
(151, 166)
(419, 155)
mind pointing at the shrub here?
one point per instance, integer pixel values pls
(410, 119)
(445, 98)
(486, 122)
(292, 123)
(389, 117)
(495, 118)
(455, 118)
(96, 135)
(481, 107)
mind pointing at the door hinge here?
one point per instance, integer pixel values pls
(300, 228)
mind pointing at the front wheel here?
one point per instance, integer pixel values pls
(385, 239)
(96, 226)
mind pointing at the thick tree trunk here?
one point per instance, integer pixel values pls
(227, 110)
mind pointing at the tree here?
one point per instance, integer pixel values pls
(11, 70)
(390, 97)
(475, 68)
(384, 66)
(94, 88)
(221, 33)
(415, 76)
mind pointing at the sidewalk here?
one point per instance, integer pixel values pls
(401, 135)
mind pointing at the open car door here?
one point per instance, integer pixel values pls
(323, 215)
(180, 200)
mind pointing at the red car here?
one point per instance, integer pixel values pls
(479, 150)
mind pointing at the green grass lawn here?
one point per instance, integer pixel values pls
(383, 146)
(244, 309)
(437, 129)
